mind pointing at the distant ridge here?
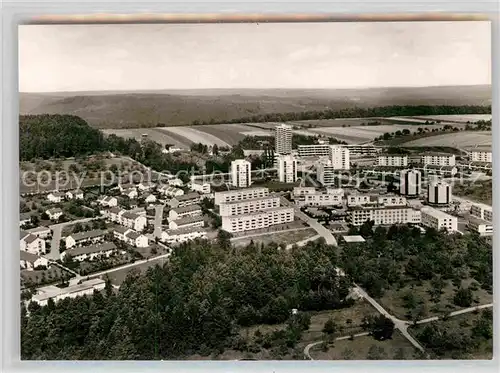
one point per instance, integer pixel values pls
(127, 109)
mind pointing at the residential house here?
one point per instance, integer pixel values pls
(55, 197)
(170, 236)
(182, 212)
(74, 194)
(147, 185)
(149, 198)
(184, 200)
(108, 201)
(31, 243)
(54, 214)
(42, 232)
(130, 193)
(170, 191)
(136, 239)
(133, 220)
(90, 252)
(31, 261)
(83, 238)
(187, 222)
(125, 186)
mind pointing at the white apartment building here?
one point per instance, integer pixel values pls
(131, 237)
(314, 151)
(360, 200)
(340, 157)
(133, 220)
(187, 222)
(283, 139)
(328, 197)
(482, 227)
(257, 220)
(383, 215)
(326, 174)
(200, 186)
(301, 191)
(438, 219)
(410, 183)
(439, 193)
(185, 200)
(363, 150)
(241, 176)
(240, 195)
(481, 154)
(393, 160)
(287, 168)
(182, 212)
(482, 211)
(54, 214)
(392, 201)
(31, 261)
(170, 191)
(248, 206)
(438, 159)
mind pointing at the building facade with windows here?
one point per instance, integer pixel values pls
(240, 195)
(410, 183)
(439, 193)
(392, 160)
(287, 168)
(257, 220)
(437, 219)
(241, 175)
(283, 139)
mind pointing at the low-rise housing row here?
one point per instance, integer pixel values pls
(85, 238)
(91, 252)
(437, 219)
(383, 215)
(130, 237)
(182, 212)
(172, 236)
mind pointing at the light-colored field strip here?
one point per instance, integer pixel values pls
(456, 118)
(153, 134)
(460, 139)
(258, 133)
(196, 136)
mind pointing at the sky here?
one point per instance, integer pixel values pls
(54, 58)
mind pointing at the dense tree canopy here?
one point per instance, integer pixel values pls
(195, 302)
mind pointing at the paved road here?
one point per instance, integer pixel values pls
(313, 223)
(56, 237)
(307, 349)
(456, 313)
(303, 242)
(158, 220)
(401, 325)
(97, 274)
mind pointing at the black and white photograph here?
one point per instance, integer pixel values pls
(256, 190)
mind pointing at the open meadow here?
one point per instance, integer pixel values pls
(456, 139)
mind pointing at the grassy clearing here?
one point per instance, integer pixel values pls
(464, 323)
(288, 237)
(394, 303)
(117, 277)
(363, 348)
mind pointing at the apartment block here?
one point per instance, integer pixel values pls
(437, 219)
(287, 168)
(283, 139)
(257, 220)
(410, 183)
(393, 160)
(241, 176)
(248, 206)
(482, 211)
(240, 195)
(383, 215)
(438, 159)
(439, 193)
(327, 197)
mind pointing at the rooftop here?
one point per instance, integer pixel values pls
(89, 234)
(54, 211)
(57, 194)
(133, 235)
(190, 208)
(121, 229)
(39, 229)
(91, 249)
(174, 232)
(188, 220)
(354, 238)
(26, 256)
(186, 197)
(436, 213)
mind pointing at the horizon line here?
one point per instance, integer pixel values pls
(254, 88)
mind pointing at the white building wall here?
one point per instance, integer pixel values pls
(240, 195)
(393, 160)
(258, 220)
(439, 193)
(283, 139)
(248, 206)
(287, 169)
(438, 220)
(410, 183)
(241, 176)
(439, 160)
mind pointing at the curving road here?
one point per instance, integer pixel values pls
(402, 325)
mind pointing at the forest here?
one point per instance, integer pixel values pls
(196, 303)
(383, 111)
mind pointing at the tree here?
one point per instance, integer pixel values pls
(366, 229)
(347, 354)
(77, 228)
(463, 297)
(437, 286)
(215, 150)
(330, 327)
(380, 327)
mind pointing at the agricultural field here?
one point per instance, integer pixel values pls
(195, 135)
(459, 118)
(456, 139)
(157, 134)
